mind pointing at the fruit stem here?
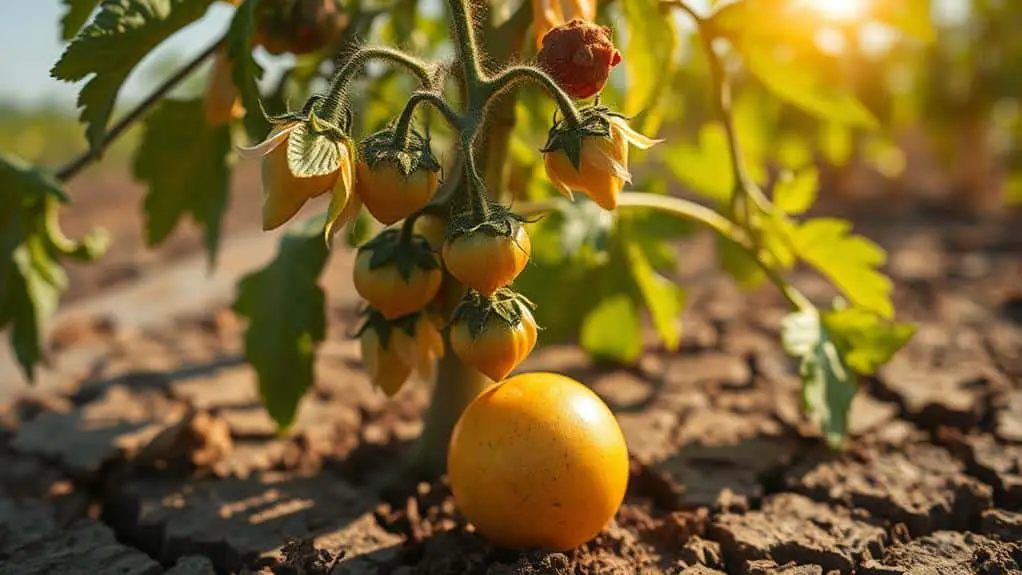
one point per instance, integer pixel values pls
(468, 51)
(404, 237)
(518, 74)
(404, 121)
(336, 100)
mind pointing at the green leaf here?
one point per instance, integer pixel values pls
(30, 296)
(31, 243)
(246, 72)
(652, 41)
(850, 261)
(871, 341)
(828, 385)
(78, 12)
(184, 162)
(796, 193)
(612, 330)
(836, 143)
(663, 298)
(706, 167)
(739, 264)
(798, 84)
(286, 310)
(913, 17)
(108, 49)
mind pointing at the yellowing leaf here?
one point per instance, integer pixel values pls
(869, 340)
(281, 339)
(652, 41)
(706, 167)
(108, 49)
(184, 161)
(612, 330)
(664, 299)
(796, 193)
(801, 86)
(913, 17)
(850, 261)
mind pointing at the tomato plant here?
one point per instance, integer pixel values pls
(462, 147)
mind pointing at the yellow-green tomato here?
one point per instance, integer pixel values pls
(385, 366)
(498, 349)
(486, 262)
(389, 195)
(538, 461)
(389, 292)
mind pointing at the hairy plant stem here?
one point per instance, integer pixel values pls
(335, 103)
(76, 165)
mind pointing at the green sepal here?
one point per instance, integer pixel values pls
(384, 327)
(314, 148)
(500, 221)
(504, 305)
(413, 156)
(387, 249)
(567, 137)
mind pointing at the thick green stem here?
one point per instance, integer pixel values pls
(455, 387)
(334, 104)
(468, 49)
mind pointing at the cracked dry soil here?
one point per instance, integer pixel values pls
(160, 459)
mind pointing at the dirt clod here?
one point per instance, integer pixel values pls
(948, 553)
(793, 528)
(920, 485)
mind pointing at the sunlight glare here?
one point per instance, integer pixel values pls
(840, 10)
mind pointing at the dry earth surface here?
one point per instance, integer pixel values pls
(147, 451)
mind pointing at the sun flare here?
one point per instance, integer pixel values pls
(840, 10)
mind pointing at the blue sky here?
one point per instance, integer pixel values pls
(30, 44)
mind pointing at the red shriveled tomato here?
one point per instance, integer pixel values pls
(538, 461)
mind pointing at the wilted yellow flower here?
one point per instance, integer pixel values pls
(285, 192)
(392, 350)
(600, 170)
(221, 101)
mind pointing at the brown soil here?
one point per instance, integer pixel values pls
(162, 461)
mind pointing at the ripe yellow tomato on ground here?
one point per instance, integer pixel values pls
(538, 461)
